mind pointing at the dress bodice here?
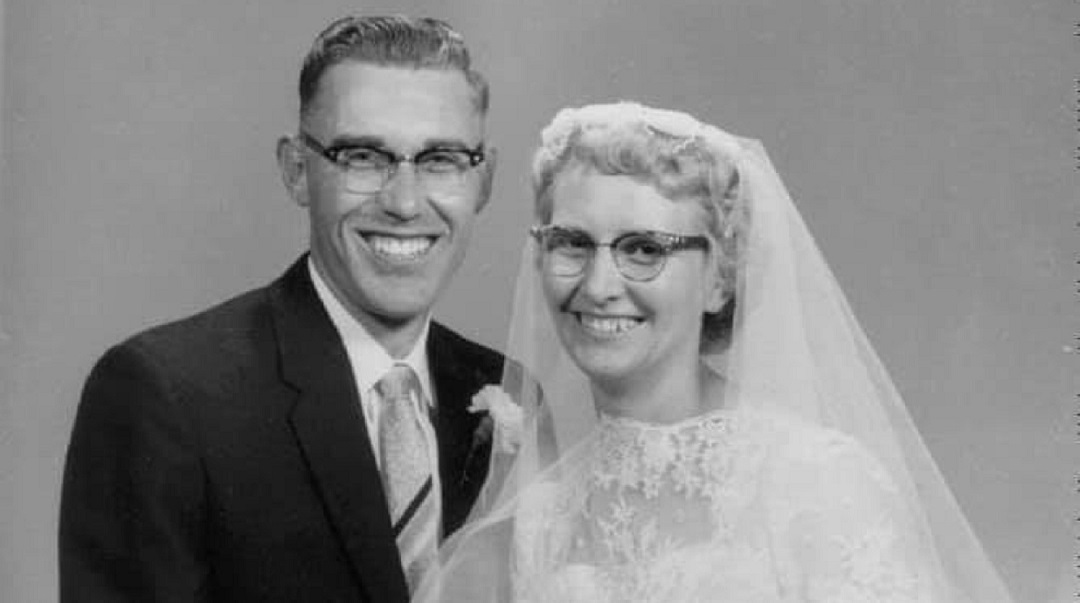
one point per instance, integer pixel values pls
(726, 507)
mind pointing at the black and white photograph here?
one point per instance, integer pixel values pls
(587, 301)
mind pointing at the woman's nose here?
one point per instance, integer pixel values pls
(601, 279)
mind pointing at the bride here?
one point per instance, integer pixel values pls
(708, 422)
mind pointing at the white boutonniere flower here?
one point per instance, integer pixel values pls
(508, 418)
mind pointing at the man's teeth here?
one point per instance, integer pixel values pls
(401, 248)
(608, 325)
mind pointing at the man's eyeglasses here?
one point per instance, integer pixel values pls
(638, 255)
(368, 169)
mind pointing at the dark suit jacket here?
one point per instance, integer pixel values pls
(224, 457)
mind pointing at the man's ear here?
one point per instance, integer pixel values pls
(487, 176)
(290, 160)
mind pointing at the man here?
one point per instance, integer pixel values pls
(250, 453)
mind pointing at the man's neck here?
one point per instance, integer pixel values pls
(397, 336)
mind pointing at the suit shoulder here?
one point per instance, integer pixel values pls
(245, 310)
(222, 334)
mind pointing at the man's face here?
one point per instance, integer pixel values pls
(387, 254)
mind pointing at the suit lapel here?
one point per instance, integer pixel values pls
(463, 458)
(330, 431)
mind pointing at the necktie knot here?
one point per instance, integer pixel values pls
(399, 384)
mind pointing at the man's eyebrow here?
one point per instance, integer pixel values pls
(347, 140)
(378, 142)
(447, 143)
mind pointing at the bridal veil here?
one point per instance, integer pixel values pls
(794, 346)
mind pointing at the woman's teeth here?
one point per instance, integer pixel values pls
(397, 248)
(608, 325)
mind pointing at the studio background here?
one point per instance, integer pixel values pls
(928, 143)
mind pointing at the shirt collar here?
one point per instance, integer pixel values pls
(369, 359)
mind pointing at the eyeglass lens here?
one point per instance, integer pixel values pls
(637, 256)
(369, 169)
(373, 177)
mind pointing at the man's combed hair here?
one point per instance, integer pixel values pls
(395, 41)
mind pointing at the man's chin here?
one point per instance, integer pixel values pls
(395, 306)
(389, 299)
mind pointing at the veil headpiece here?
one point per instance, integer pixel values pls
(795, 347)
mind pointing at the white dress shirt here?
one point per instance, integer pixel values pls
(370, 362)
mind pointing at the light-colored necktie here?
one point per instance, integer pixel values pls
(406, 472)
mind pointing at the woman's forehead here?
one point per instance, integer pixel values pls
(589, 199)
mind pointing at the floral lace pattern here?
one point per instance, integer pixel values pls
(726, 507)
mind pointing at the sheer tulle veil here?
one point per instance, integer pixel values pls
(795, 346)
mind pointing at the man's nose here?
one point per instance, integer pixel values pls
(601, 280)
(402, 196)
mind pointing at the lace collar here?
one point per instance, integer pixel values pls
(631, 425)
(695, 455)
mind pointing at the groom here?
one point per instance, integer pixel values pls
(253, 452)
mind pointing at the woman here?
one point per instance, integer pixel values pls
(720, 429)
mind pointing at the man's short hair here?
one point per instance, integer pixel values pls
(393, 41)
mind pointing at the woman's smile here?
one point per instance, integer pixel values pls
(607, 325)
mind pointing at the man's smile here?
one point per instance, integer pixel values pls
(396, 248)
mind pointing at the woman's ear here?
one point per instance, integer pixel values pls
(290, 160)
(716, 301)
(715, 295)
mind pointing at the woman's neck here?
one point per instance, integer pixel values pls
(676, 396)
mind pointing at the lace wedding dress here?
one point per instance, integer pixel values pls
(740, 507)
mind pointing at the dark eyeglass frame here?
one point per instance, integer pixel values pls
(668, 243)
(333, 154)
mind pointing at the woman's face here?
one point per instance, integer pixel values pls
(619, 330)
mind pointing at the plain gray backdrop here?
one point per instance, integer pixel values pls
(929, 144)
